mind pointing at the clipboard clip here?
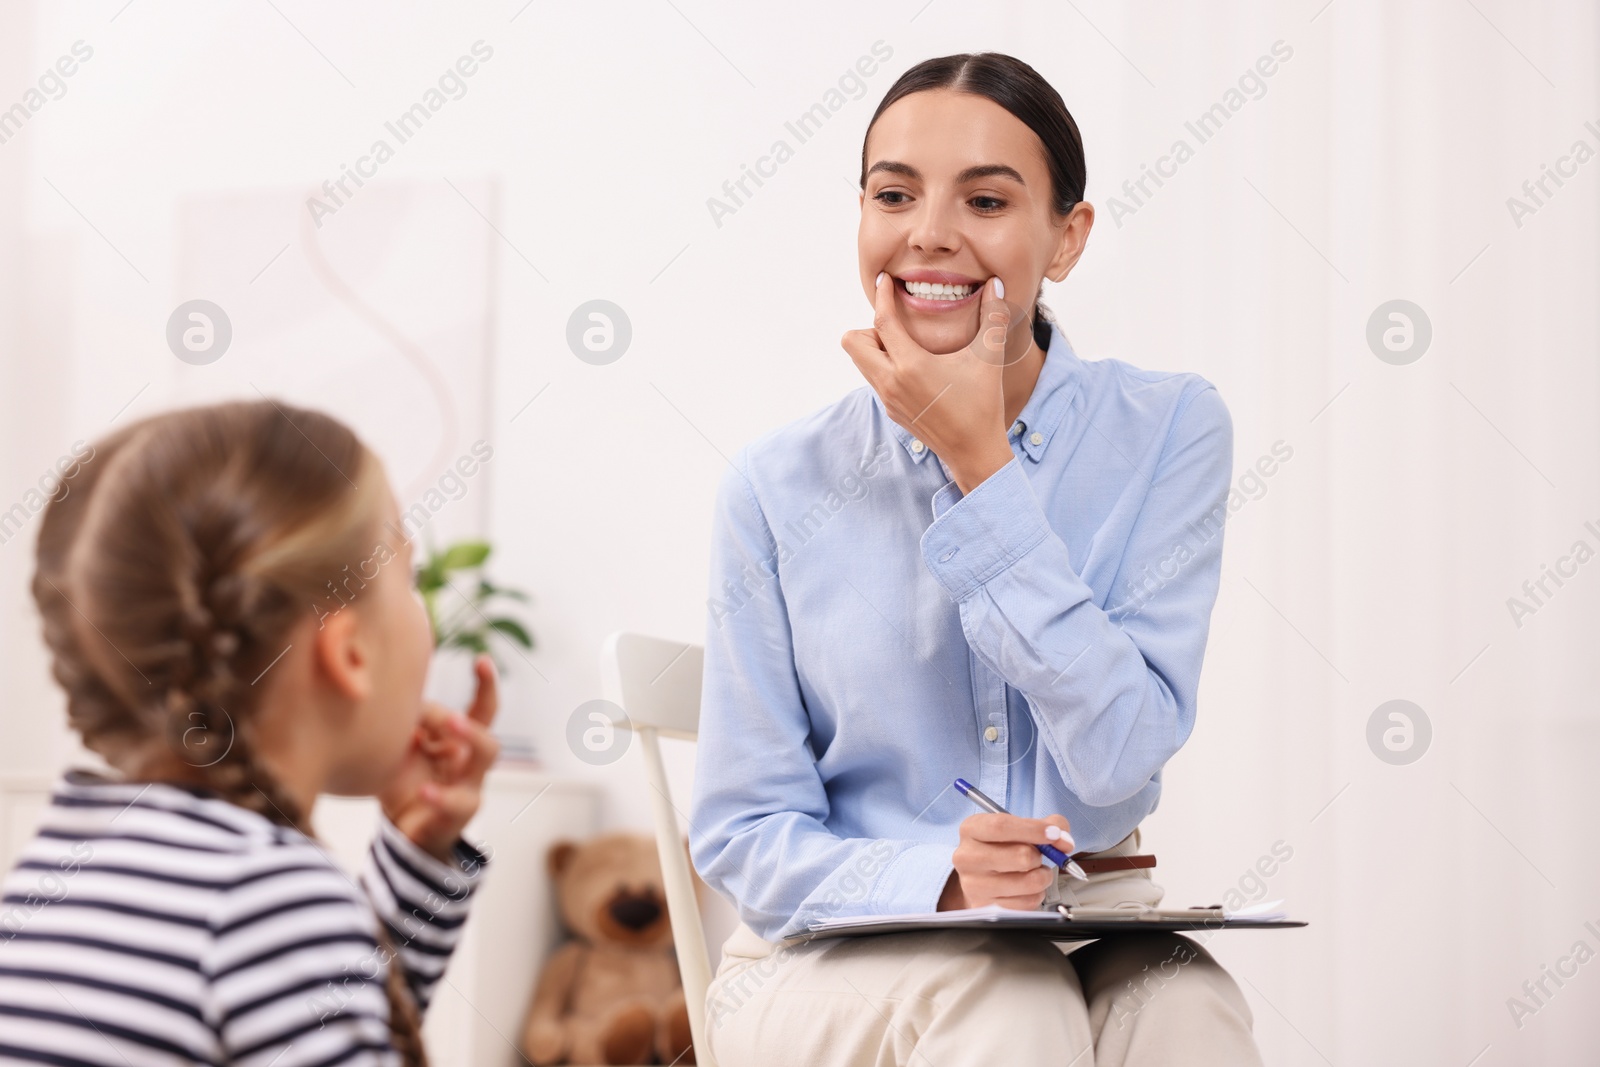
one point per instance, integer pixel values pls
(1137, 911)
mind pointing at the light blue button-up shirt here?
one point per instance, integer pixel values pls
(874, 635)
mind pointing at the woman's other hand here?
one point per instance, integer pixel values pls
(440, 785)
(954, 403)
(997, 862)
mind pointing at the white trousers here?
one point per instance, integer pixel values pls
(954, 997)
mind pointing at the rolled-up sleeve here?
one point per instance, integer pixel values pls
(1112, 689)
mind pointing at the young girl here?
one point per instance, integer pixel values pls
(233, 622)
(996, 561)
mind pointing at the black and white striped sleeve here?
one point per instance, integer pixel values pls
(422, 901)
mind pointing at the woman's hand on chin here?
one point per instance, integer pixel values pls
(954, 403)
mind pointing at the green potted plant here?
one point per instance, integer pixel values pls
(466, 612)
(467, 624)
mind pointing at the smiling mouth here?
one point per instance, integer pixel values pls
(935, 296)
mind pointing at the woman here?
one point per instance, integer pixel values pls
(995, 562)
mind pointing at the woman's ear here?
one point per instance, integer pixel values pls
(340, 656)
(1074, 236)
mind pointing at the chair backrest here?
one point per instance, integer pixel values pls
(657, 682)
(657, 685)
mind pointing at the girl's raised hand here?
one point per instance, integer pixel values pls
(954, 403)
(440, 785)
(996, 861)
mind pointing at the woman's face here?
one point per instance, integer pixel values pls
(958, 192)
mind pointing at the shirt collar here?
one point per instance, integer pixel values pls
(1041, 415)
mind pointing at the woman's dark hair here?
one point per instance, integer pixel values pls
(1019, 89)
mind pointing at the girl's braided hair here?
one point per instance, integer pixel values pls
(172, 565)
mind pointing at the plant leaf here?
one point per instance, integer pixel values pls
(464, 555)
(429, 578)
(512, 629)
(468, 639)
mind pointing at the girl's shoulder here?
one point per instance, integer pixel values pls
(183, 842)
(170, 912)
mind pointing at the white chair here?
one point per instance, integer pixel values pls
(657, 684)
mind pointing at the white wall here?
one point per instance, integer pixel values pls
(1376, 165)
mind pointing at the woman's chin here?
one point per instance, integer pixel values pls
(945, 339)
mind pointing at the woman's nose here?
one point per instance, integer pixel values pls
(932, 230)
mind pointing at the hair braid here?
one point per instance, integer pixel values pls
(93, 710)
(194, 562)
(222, 619)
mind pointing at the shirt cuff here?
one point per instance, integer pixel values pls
(454, 880)
(914, 880)
(984, 532)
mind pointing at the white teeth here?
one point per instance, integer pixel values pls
(938, 290)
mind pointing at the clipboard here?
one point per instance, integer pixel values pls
(1064, 923)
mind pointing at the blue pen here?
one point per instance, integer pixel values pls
(1051, 853)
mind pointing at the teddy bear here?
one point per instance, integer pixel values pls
(611, 994)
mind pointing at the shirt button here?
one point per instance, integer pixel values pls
(1037, 438)
(991, 734)
(917, 446)
(1016, 427)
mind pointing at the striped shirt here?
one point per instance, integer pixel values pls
(159, 924)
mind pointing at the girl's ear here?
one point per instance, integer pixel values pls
(339, 655)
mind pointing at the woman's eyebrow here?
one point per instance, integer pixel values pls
(984, 170)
